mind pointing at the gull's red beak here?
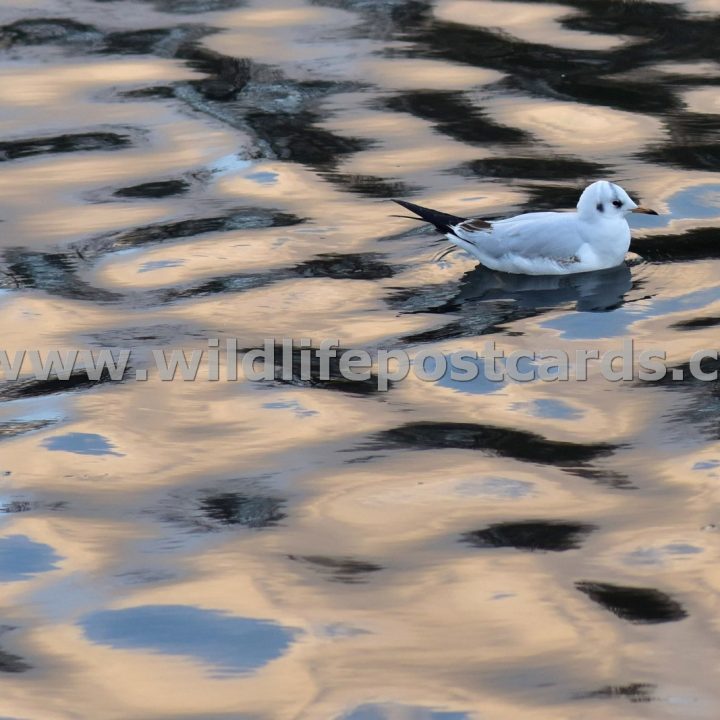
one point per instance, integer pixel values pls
(646, 211)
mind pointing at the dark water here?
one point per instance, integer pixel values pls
(173, 171)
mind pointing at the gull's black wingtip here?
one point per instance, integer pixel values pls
(407, 206)
(403, 203)
(442, 222)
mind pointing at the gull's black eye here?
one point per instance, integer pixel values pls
(617, 203)
(600, 207)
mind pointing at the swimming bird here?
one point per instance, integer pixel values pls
(594, 237)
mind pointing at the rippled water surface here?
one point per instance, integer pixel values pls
(173, 171)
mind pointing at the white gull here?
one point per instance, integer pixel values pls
(594, 237)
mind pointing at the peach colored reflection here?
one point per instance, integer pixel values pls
(594, 130)
(529, 22)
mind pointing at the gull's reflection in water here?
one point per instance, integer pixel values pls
(486, 300)
(598, 291)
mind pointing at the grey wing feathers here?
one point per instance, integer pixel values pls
(530, 235)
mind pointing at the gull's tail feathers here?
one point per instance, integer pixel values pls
(443, 222)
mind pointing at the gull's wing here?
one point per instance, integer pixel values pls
(474, 224)
(550, 235)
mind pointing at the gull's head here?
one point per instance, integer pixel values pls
(604, 199)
